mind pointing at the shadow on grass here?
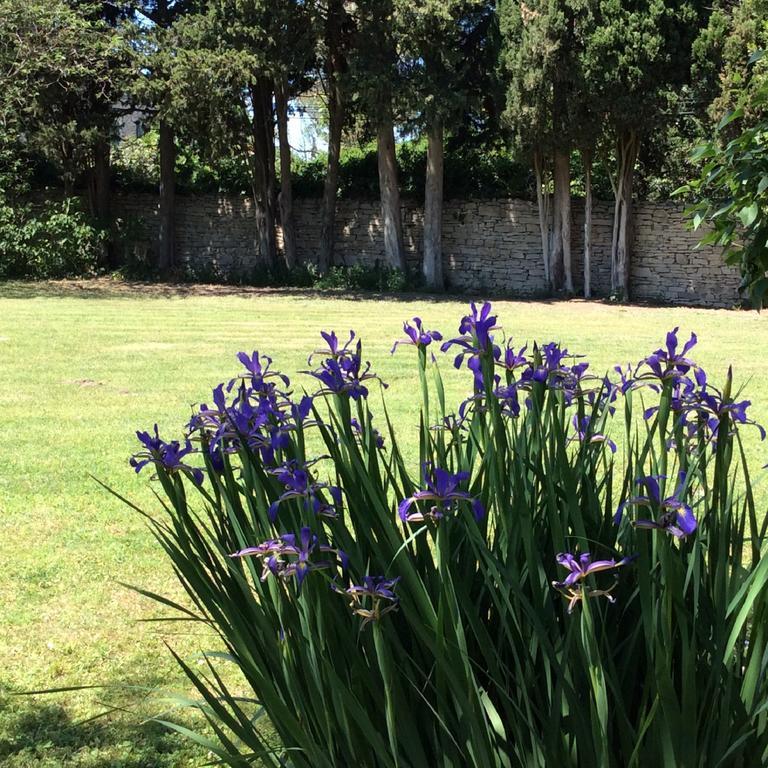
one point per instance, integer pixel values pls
(39, 731)
(104, 288)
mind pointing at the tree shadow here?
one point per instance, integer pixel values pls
(40, 731)
(105, 288)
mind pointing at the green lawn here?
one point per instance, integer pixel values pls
(82, 365)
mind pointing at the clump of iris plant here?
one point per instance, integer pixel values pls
(484, 647)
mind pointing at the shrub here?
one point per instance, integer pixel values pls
(136, 163)
(53, 241)
(136, 167)
(360, 277)
(531, 596)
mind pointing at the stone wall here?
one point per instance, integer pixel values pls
(491, 246)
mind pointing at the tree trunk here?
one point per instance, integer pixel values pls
(99, 187)
(433, 208)
(69, 168)
(334, 67)
(390, 194)
(99, 193)
(286, 193)
(542, 203)
(586, 157)
(560, 256)
(331, 186)
(166, 238)
(621, 255)
(262, 131)
(269, 142)
(562, 275)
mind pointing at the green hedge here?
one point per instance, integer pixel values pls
(469, 172)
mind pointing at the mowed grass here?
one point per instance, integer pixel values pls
(83, 365)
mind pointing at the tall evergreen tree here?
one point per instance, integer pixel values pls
(335, 43)
(152, 92)
(63, 67)
(234, 69)
(540, 62)
(377, 79)
(635, 57)
(438, 43)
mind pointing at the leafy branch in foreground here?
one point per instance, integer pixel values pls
(731, 193)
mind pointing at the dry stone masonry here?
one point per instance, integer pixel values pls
(489, 246)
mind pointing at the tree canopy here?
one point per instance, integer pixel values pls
(589, 94)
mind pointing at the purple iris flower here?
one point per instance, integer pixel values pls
(553, 372)
(291, 555)
(451, 423)
(216, 455)
(584, 434)
(372, 599)
(259, 417)
(344, 373)
(511, 360)
(604, 397)
(509, 400)
(479, 325)
(335, 349)
(166, 455)
(682, 392)
(709, 406)
(207, 420)
(475, 341)
(626, 377)
(737, 411)
(676, 517)
(300, 485)
(442, 492)
(552, 355)
(258, 373)
(302, 409)
(668, 363)
(256, 424)
(378, 440)
(580, 567)
(417, 335)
